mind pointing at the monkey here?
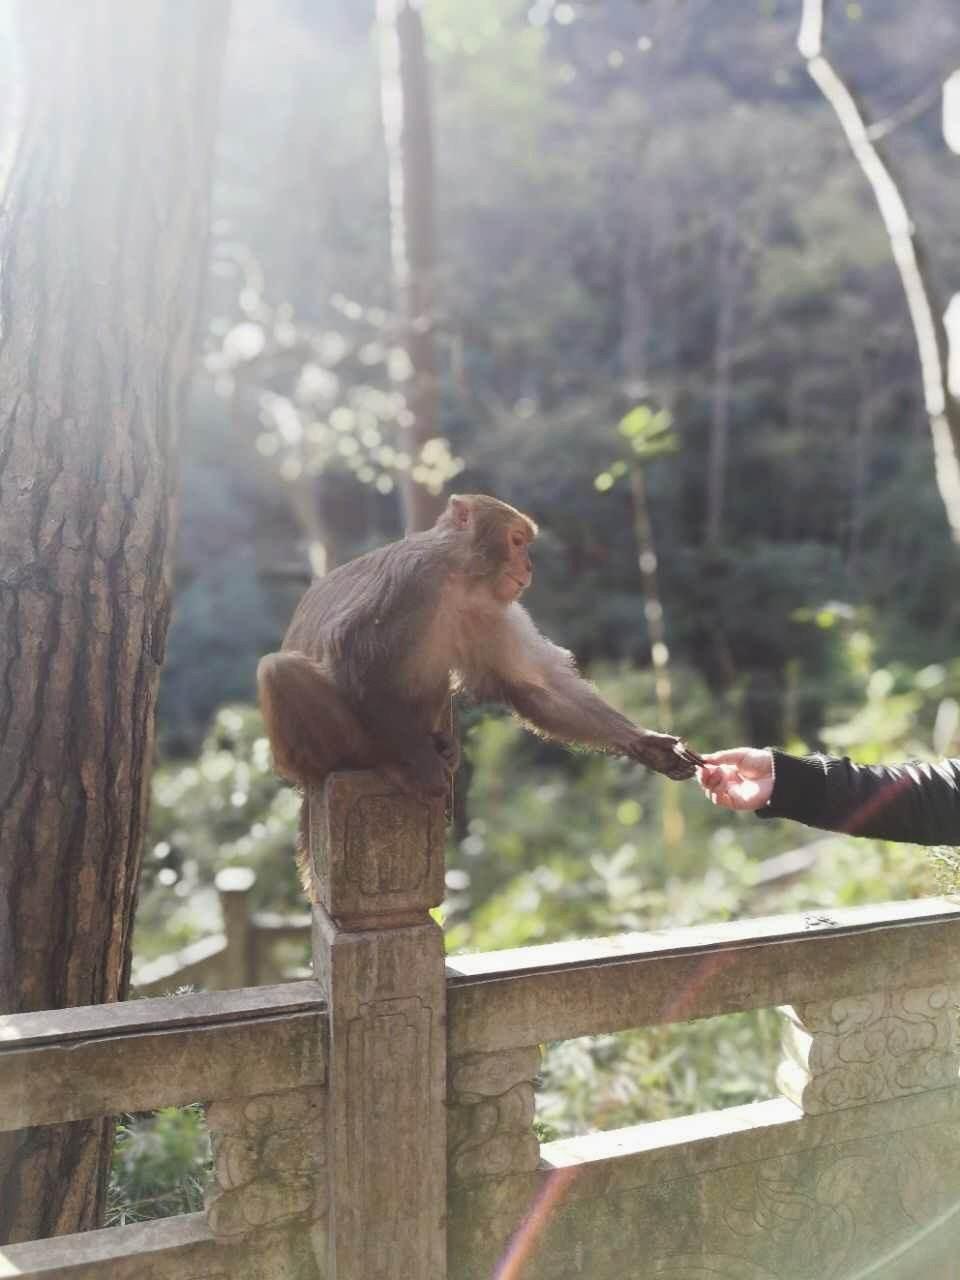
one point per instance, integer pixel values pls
(376, 648)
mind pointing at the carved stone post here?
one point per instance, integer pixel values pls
(889, 1044)
(377, 867)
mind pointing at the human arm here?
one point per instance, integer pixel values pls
(914, 802)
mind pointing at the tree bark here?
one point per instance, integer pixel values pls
(943, 409)
(408, 134)
(103, 245)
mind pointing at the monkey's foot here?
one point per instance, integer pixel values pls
(415, 783)
(448, 749)
(425, 772)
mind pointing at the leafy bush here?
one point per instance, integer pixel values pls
(160, 1165)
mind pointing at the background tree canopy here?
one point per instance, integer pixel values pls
(637, 203)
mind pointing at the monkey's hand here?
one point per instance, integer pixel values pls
(661, 752)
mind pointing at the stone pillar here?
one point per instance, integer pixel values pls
(377, 867)
(889, 1044)
(233, 886)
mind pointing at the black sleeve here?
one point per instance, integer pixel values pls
(918, 803)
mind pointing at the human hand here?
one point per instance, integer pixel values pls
(739, 779)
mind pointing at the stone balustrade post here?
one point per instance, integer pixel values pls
(234, 885)
(377, 867)
(888, 1044)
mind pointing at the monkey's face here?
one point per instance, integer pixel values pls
(515, 573)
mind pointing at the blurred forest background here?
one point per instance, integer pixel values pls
(668, 319)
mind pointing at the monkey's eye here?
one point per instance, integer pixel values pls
(517, 539)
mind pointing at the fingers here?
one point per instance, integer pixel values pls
(736, 786)
(735, 794)
(750, 762)
(733, 756)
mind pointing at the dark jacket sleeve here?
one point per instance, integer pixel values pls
(919, 803)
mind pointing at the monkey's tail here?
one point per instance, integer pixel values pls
(311, 729)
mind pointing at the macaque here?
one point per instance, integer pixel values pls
(376, 648)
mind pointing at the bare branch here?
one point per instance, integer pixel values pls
(931, 338)
(910, 111)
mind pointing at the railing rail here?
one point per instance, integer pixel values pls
(75, 1064)
(558, 991)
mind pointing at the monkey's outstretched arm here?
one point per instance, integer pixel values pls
(579, 715)
(546, 690)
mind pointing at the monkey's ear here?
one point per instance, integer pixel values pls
(460, 512)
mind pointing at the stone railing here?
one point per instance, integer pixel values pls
(243, 954)
(378, 1123)
(854, 1171)
(258, 1057)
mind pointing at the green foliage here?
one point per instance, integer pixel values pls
(160, 1165)
(606, 1082)
(646, 435)
(224, 808)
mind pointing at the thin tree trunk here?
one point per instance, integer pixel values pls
(673, 825)
(862, 456)
(103, 244)
(943, 410)
(730, 282)
(652, 607)
(408, 133)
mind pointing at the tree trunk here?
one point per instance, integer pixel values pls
(103, 247)
(860, 471)
(673, 824)
(730, 272)
(407, 130)
(943, 409)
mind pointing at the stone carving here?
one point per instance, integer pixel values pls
(373, 849)
(814, 1226)
(490, 1120)
(388, 1047)
(877, 1205)
(378, 859)
(834, 1211)
(889, 1044)
(688, 1266)
(268, 1162)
